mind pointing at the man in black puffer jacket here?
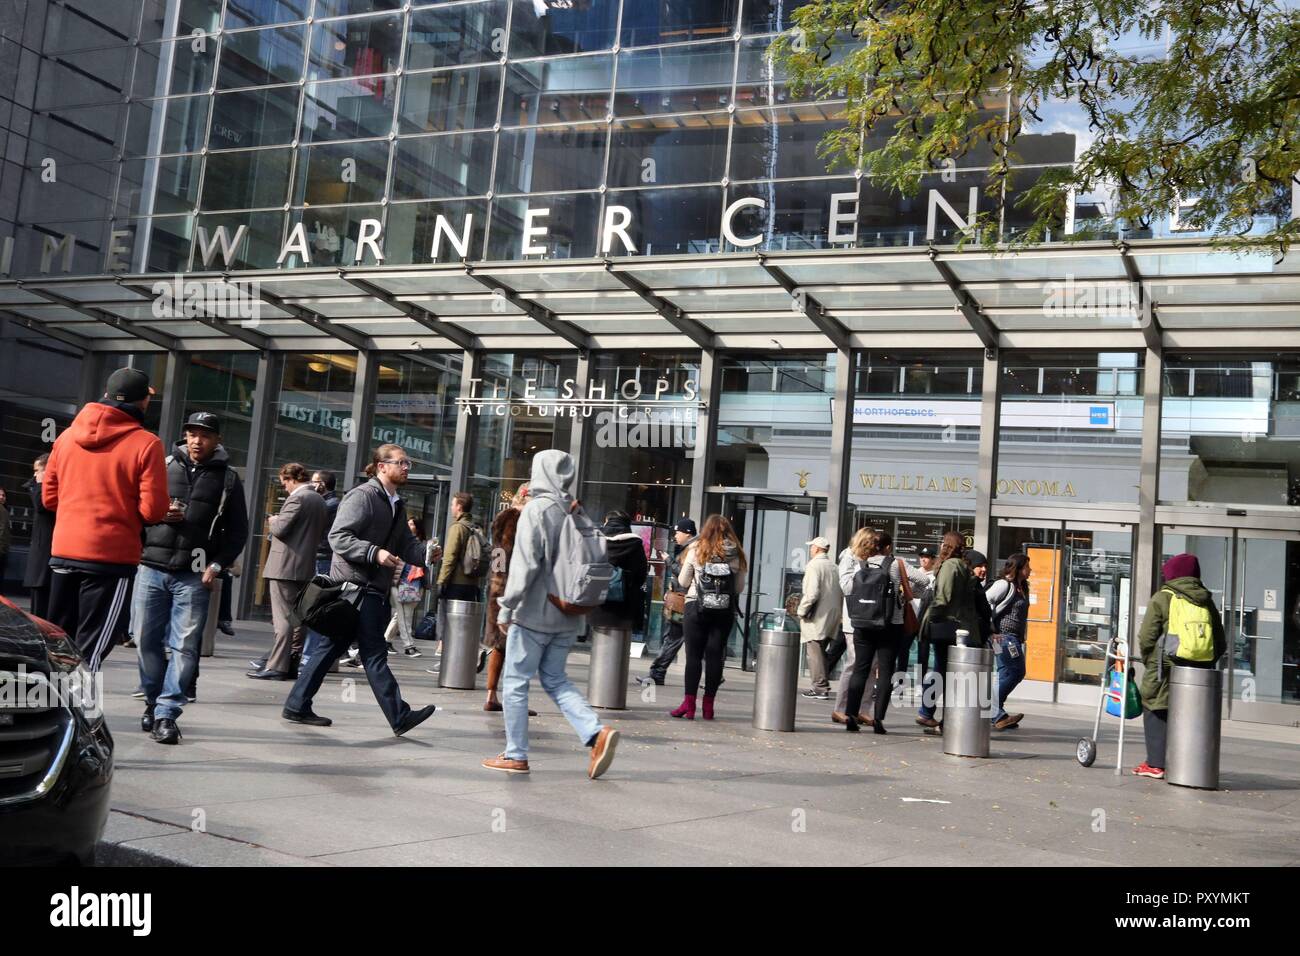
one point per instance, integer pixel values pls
(203, 533)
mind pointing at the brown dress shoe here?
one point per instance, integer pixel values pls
(927, 721)
(502, 762)
(838, 718)
(602, 752)
(866, 721)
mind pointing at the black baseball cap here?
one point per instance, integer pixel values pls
(975, 558)
(926, 552)
(204, 420)
(685, 525)
(128, 385)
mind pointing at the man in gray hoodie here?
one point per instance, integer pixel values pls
(541, 635)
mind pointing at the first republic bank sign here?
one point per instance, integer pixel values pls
(842, 229)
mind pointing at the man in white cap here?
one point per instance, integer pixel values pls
(819, 617)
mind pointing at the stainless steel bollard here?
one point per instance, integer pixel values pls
(460, 625)
(777, 680)
(608, 675)
(208, 646)
(967, 701)
(1195, 710)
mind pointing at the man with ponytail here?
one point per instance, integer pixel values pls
(370, 540)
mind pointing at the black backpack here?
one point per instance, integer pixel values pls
(871, 599)
(715, 587)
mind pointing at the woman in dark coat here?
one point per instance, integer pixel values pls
(626, 550)
(503, 546)
(37, 576)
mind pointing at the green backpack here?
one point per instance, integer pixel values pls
(1189, 633)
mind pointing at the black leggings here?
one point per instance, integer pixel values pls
(706, 645)
(877, 646)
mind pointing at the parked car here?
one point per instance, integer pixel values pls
(56, 753)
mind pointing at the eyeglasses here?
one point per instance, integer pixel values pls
(399, 462)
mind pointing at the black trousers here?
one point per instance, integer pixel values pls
(40, 597)
(673, 640)
(873, 647)
(224, 615)
(1155, 728)
(834, 651)
(706, 635)
(91, 608)
(374, 656)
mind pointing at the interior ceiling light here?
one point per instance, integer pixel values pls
(319, 366)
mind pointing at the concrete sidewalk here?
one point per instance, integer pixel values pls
(246, 788)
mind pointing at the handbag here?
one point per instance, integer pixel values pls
(329, 608)
(427, 629)
(941, 633)
(910, 624)
(1132, 702)
(674, 603)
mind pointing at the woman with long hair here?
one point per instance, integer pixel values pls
(503, 546)
(713, 574)
(1009, 600)
(953, 603)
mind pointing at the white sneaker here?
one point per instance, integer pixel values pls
(412, 652)
(138, 695)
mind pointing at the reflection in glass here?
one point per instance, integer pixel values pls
(769, 16)
(557, 91)
(173, 68)
(261, 13)
(254, 118)
(332, 233)
(550, 159)
(247, 179)
(410, 231)
(646, 23)
(261, 58)
(674, 79)
(348, 109)
(782, 143)
(672, 221)
(259, 246)
(449, 100)
(456, 34)
(355, 47)
(570, 223)
(667, 151)
(441, 167)
(343, 8)
(166, 241)
(341, 173)
(538, 29)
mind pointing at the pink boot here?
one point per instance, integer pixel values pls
(708, 707)
(687, 709)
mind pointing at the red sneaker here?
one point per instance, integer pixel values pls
(1146, 770)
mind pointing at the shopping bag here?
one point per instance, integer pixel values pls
(1132, 704)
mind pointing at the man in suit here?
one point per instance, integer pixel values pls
(295, 534)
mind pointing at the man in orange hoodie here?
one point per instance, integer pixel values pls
(105, 481)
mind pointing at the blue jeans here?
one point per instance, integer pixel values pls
(315, 642)
(536, 654)
(1011, 668)
(171, 608)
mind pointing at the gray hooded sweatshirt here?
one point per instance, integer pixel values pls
(524, 600)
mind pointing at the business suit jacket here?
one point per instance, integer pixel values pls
(295, 533)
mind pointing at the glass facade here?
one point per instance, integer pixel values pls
(675, 111)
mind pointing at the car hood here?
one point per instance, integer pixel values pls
(32, 642)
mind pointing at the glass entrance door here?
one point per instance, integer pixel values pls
(774, 531)
(1080, 598)
(1254, 578)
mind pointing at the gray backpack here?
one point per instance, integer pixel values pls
(580, 572)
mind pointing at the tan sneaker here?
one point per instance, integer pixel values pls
(602, 752)
(502, 762)
(838, 718)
